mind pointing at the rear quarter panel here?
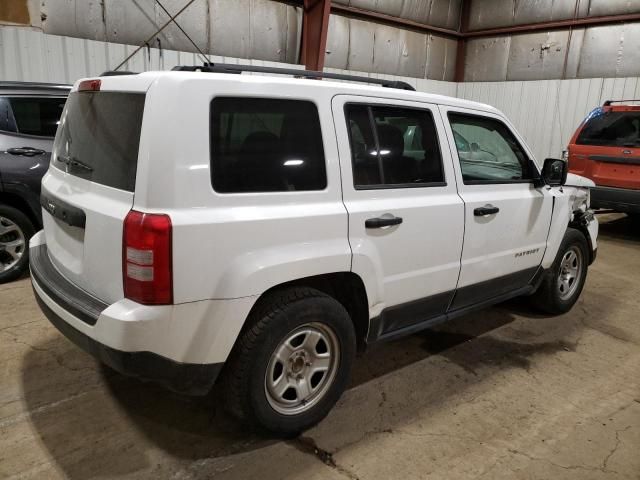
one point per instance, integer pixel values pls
(234, 245)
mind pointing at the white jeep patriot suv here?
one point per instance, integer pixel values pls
(260, 230)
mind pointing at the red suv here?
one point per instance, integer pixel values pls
(606, 149)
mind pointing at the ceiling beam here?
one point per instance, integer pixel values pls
(555, 25)
(361, 14)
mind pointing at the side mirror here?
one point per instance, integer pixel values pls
(474, 147)
(554, 172)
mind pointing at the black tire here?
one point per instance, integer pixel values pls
(271, 322)
(549, 297)
(26, 231)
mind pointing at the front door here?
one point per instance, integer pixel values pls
(507, 217)
(406, 219)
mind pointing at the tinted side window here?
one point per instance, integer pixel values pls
(611, 129)
(7, 123)
(266, 145)
(488, 151)
(37, 116)
(393, 146)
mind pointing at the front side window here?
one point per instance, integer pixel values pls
(611, 129)
(38, 116)
(393, 147)
(488, 151)
(266, 145)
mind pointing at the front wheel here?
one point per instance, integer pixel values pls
(292, 361)
(565, 280)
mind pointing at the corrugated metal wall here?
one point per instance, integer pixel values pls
(504, 13)
(260, 29)
(358, 45)
(439, 13)
(29, 55)
(545, 112)
(263, 30)
(600, 51)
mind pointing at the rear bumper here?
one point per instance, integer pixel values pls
(113, 335)
(191, 379)
(619, 199)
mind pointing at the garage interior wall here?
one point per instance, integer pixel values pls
(545, 112)
(585, 52)
(545, 81)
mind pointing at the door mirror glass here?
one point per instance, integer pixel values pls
(554, 172)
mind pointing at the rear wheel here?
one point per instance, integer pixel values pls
(291, 363)
(563, 283)
(15, 231)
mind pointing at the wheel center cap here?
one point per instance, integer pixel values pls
(297, 365)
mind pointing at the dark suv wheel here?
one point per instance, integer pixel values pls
(292, 361)
(15, 231)
(563, 283)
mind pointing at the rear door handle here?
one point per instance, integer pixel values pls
(26, 151)
(380, 222)
(486, 210)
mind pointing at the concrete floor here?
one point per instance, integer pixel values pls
(502, 394)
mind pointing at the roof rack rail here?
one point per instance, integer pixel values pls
(609, 102)
(117, 73)
(34, 85)
(238, 69)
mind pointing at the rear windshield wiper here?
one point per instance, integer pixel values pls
(74, 162)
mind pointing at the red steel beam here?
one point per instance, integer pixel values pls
(355, 12)
(315, 24)
(559, 24)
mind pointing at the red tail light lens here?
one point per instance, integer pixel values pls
(90, 86)
(147, 258)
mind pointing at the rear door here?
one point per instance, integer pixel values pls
(507, 218)
(607, 147)
(89, 187)
(405, 216)
(28, 124)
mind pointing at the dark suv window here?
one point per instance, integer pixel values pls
(393, 147)
(37, 116)
(611, 129)
(99, 137)
(266, 145)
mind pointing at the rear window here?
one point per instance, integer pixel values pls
(99, 137)
(611, 129)
(266, 145)
(37, 116)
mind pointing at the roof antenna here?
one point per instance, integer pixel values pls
(171, 19)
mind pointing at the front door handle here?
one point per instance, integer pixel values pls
(26, 151)
(380, 222)
(486, 210)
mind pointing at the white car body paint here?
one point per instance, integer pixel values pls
(228, 249)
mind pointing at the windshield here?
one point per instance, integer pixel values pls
(98, 137)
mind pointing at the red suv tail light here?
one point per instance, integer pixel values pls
(147, 258)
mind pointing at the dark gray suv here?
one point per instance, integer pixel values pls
(29, 117)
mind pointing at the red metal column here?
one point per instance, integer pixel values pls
(315, 24)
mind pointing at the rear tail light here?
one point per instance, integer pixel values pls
(147, 258)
